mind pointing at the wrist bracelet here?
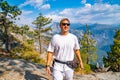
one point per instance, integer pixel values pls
(47, 65)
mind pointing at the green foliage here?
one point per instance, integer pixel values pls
(30, 41)
(88, 48)
(87, 69)
(15, 29)
(6, 8)
(8, 14)
(24, 29)
(113, 56)
(41, 23)
(84, 56)
(26, 51)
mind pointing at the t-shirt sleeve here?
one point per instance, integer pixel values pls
(76, 44)
(51, 46)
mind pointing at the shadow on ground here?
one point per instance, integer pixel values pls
(29, 76)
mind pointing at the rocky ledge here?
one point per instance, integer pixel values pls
(19, 69)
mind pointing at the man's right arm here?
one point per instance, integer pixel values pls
(49, 58)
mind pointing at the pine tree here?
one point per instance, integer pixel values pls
(113, 56)
(8, 13)
(40, 22)
(88, 47)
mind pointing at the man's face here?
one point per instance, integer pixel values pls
(65, 26)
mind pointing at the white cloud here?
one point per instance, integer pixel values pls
(26, 12)
(46, 6)
(97, 13)
(88, 5)
(83, 1)
(55, 18)
(67, 12)
(24, 4)
(24, 20)
(36, 4)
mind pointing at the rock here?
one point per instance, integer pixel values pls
(19, 69)
(99, 76)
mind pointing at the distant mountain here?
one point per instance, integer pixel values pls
(102, 33)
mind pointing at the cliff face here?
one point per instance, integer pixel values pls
(18, 69)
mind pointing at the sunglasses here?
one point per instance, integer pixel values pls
(68, 24)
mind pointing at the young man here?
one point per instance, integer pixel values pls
(63, 46)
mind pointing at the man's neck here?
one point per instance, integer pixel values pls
(64, 33)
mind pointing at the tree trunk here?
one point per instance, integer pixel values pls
(7, 42)
(40, 43)
(87, 60)
(7, 39)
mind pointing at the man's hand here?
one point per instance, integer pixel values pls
(81, 66)
(48, 70)
(49, 58)
(77, 52)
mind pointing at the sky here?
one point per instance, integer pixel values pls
(78, 11)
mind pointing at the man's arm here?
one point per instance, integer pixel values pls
(77, 52)
(49, 58)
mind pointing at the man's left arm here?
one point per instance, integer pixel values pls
(77, 52)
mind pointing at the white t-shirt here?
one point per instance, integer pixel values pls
(63, 47)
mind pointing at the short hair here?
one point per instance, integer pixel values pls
(64, 20)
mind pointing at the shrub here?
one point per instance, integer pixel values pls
(87, 70)
(26, 51)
